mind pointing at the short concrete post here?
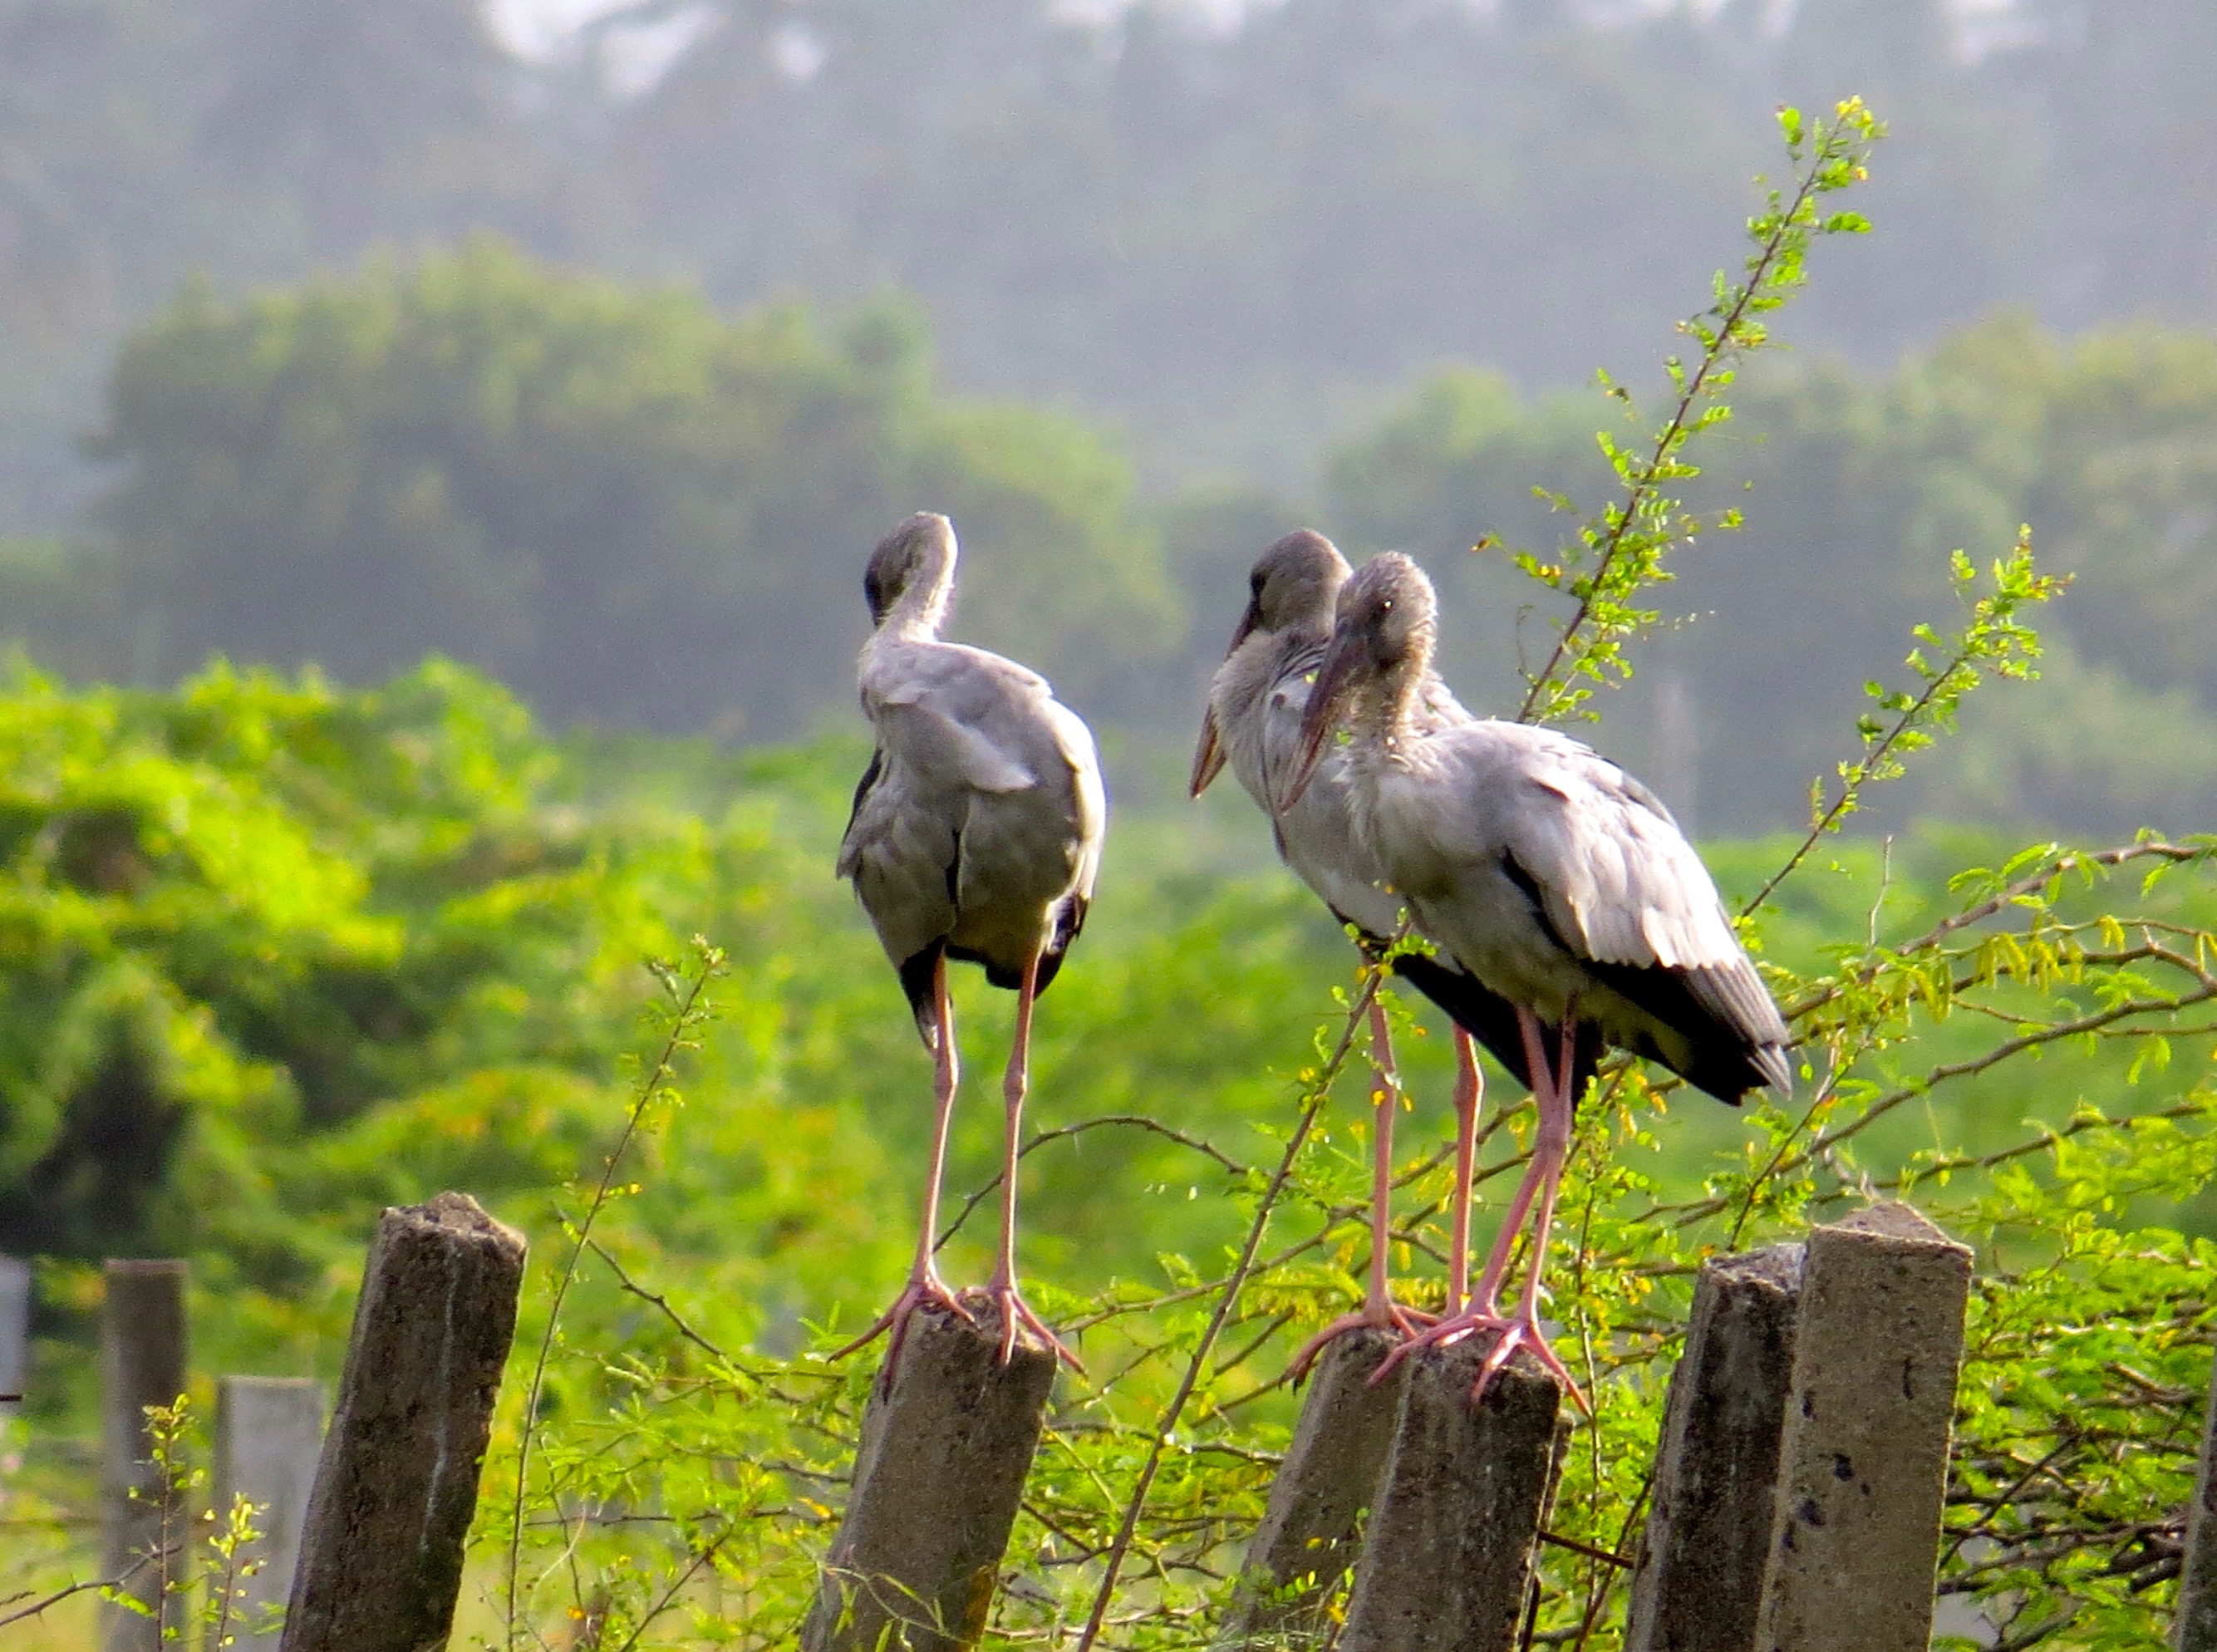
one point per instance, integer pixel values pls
(1700, 1582)
(1307, 1541)
(268, 1431)
(947, 1438)
(2197, 1585)
(1862, 1464)
(396, 1482)
(1447, 1564)
(142, 1363)
(14, 1329)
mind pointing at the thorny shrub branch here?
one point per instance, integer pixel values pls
(1622, 552)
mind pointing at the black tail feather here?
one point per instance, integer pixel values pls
(916, 978)
(1721, 1015)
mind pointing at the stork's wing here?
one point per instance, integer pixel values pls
(1074, 741)
(956, 716)
(1621, 887)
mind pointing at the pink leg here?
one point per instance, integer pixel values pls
(1470, 1091)
(1550, 1150)
(1380, 1312)
(924, 1283)
(1003, 1288)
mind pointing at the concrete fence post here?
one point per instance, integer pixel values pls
(1803, 1468)
(268, 1432)
(1699, 1584)
(142, 1363)
(397, 1481)
(15, 1328)
(948, 1438)
(1863, 1470)
(2197, 1584)
(1309, 1537)
(1446, 1563)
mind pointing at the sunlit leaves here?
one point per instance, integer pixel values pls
(1623, 551)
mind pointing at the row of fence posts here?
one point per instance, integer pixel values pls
(1795, 1502)
(363, 1519)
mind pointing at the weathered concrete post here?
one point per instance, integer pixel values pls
(268, 1432)
(15, 1328)
(1862, 1466)
(142, 1362)
(1699, 1581)
(396, 1482)
(947, 1438)
(1447, 1563)
(1307, 1540)
(2197, 1585)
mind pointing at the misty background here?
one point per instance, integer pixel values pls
(594, 345)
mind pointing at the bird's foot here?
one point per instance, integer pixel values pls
(1390, 1317)
(1510, 1335)
(922, 1287)
(1524, 1331)
(1015, 1311)
(1442, 1333)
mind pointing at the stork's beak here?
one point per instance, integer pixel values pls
(1328, 697)
(1208, 756)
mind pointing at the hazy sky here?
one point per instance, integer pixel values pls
(536, 27)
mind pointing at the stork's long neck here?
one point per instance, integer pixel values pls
(922, 604)
(1385, 710)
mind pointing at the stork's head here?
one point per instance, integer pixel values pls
(1381, 648)
(1292, 588)
(1294, 585)
(915, 561)
(1389, 613)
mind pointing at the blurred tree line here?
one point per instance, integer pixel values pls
(630, 509)
(640, 496)
(1231, 237)
(640, 513)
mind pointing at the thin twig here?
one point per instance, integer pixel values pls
(37, 1607)
(1587, 1550)
(657, 1300)
(1851, 786)
(1673, 434)
(1129, 1526)
(680, 1024)
(1135, 1121)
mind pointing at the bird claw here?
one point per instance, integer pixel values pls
(1510, 1335)
(1391, 1318)
(1443, 1332)
(1016, 1311)
(921, 1288)
(1524, 1331)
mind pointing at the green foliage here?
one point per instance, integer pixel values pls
(1992, 637)
(2025, 1050)
(1622, 553)
(688, 1483)
(627, 506)
(1855, 493)
(1226, 235)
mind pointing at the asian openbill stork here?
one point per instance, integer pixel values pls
(1256, 704)
(1557, 879)
(976, 835)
